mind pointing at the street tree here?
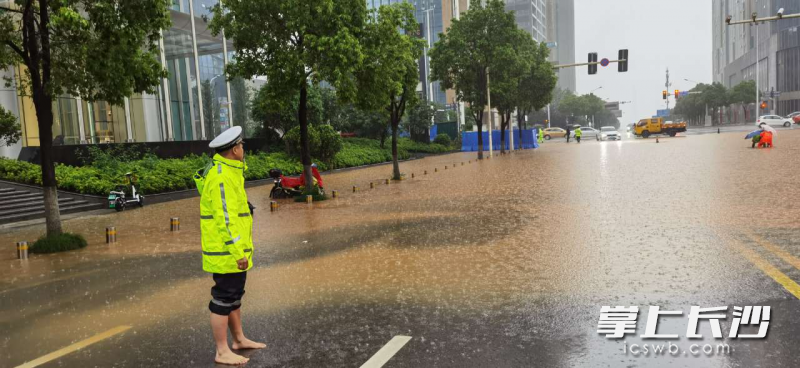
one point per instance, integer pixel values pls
(464, 57)
(275, 110)
(716, 96)
(744, 93)
(9, 127)
(419, 120)
(535, 88)
(388, 77)
(294, 43)
(507, 78)
(60, 43)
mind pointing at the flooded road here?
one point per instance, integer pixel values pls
(500, 263)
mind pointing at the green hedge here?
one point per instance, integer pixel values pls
(154, 175)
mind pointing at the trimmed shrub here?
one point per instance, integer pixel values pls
(58, 243)
(443, 139)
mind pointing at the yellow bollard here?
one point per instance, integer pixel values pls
(355, 189)
(412, 175)
(273, 206)
(111, 235)
(371, 185)
(22, 250)
(174, 224)
(335, 194)
(309, 199)
(387, 181)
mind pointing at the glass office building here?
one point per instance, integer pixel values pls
(195, 102)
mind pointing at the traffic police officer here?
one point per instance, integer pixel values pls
(226, 226)
(578, 134)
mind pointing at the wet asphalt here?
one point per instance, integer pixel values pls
(500, 263)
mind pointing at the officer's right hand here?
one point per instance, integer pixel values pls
(242, 263)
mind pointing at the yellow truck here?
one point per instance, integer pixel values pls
(647, 127)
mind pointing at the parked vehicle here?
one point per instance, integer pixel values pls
(287, 187)
(647, 127)
(795, 116)
(774, 120)
(551, 133)
(124, 194)
(609, 133)
(586, 133)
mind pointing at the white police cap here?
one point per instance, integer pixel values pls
(227, 139)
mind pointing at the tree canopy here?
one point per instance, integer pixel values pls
(292, 43)
(98, 50)
(477, 43)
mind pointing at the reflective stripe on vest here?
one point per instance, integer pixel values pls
(223, 253)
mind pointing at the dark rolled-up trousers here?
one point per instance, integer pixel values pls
(227, 292)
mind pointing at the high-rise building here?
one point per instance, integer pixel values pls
(778, 42)
(560, 19)
(531, 16)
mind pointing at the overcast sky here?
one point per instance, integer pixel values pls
(659, 34)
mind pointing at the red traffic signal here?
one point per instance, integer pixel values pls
(664, 94)
(677, 93)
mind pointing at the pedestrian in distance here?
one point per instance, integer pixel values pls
(226, 227)
(578, 134)
(568, 133)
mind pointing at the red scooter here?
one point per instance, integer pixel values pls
(289, 187)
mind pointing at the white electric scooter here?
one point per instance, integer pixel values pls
(117, 198)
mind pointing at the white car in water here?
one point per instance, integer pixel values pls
(609, 133)
(774, 121)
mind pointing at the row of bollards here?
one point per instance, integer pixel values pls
(175, 223)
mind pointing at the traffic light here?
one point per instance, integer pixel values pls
(677, 93)
(622, 66)
(592, 59)
(664, 94)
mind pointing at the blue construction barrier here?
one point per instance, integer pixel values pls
(469, 140)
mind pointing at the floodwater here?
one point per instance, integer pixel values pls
(504, 262)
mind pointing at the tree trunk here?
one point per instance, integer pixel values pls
(305, 150)
(479, 122)
(39, 67)
(383, 139)
(44, 115)
(503, 123)
(395, 122)
(520, 118)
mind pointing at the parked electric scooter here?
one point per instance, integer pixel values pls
(118, 199)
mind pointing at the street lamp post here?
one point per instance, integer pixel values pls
(755, 20)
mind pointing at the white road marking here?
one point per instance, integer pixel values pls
(387, 352)
(74, 347)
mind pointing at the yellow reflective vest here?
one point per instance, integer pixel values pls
(578, 132)
(226, 224)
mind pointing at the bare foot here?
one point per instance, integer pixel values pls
(246, 343)
(230, 358)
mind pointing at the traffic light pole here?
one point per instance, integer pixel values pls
(584, 64)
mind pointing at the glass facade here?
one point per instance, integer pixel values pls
(192, 103)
